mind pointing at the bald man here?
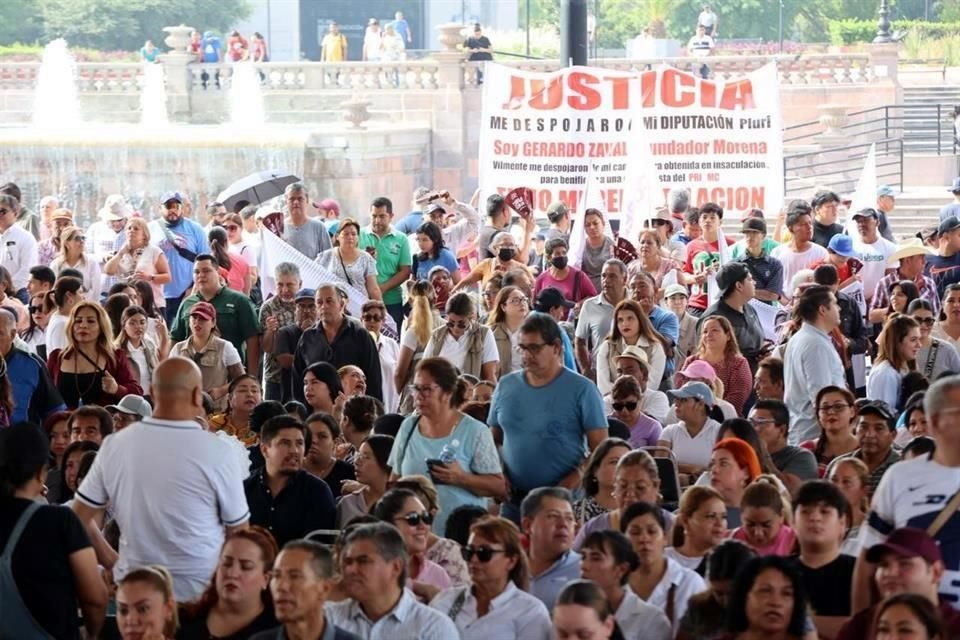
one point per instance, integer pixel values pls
(174, 488)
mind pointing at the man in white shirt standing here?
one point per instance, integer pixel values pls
(373, 564)
(101, 242)
(811, 361)
(801, 253)
(708, 20)
(700, 46)
(874, 250)
(175, 488)
(19, 250)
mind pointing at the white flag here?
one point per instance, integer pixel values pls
(592, 199)
(865, 195)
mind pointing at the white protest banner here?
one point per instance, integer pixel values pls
(549, 131)
(767, 313)
(855, 291)
(865, 194)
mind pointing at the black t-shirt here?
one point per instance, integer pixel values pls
(829, 587)
(478, 43)
(41, 563)
(823, 232)
(195, 627)
(341, 471)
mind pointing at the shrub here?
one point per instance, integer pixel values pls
(851, 31)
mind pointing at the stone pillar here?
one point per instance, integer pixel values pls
(449, 124)
(883, 66)
(179, 80)
(833, 117)
(450, 58)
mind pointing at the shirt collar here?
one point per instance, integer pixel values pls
(400, 612)
(171, 424)
(505, 596)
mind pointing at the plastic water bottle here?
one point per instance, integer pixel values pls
(449, 452)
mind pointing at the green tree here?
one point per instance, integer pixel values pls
(125, 24)
(21, 21)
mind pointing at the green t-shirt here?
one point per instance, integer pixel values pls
(392, 252)
(740, 248)
(236, 318)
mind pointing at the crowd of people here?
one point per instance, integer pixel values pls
(469, 431)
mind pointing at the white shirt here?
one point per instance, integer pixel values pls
(686, 582)
(172, 487)
(458, 233)
(92, 279)
(793, 262)
(912, 493)
(19, 253)
(638, 619)
(874, 257)
(707, 18)
(810, 363)
(455, 350)
(726, 409)
(655, 405)
(883, 383)
(389, 357)
(655, 367)
(514, 614)
(692, 450)
(56, 333)
(409, 619)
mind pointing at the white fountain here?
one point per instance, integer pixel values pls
(56, 104)
(246, 96)
(153, 97)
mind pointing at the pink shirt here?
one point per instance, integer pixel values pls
(585, 288)
(433, 574)
(782, 545)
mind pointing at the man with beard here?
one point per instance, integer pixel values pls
(276, 314)
(286, 500)
(181, 241)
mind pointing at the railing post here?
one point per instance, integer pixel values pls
(939, 128)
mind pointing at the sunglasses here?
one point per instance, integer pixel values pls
(629, 406)
(484, 553)
(35, 309)
(232, 227)
(79, 238)
(372, 317)
(457, 324)
(927, 322)
(414, 519)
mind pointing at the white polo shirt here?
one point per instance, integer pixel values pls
(692, 450)
(409, 619)
(685, 583)
(637, 619)
(514, 614)
(18, 252)
(172, 487)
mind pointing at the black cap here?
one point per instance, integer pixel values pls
(754, 224)
(950, 224)
(730, 274)
(550, 298)
(879, 408)
(866, 213)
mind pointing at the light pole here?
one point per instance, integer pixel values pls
(780, 27)
(883, 25)
(528, 28)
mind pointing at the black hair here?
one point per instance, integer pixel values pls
(919, 446)
(727, 558)
(273, 426)
(293, 406)
(813, 492)
(744, 430)
(390, 505)
(461, 304)
(639, 509)
(362, 411)
(554, 244)
(11, 189)
(380, 446)
(737, 620)
(263, 412)
(147, 299)
(812, 298)
(382, 202)
(794, 216)
(388, 424)
(616, 545)
(617, 429)
(544, 325)
(70, 272)
(712, 207)
(64, 285)
(328, 420)
(774, 367)
(460, 520)
(692, 216)
(93, 411)
(912, 383)
(823, 197)
(24, 449)
(826, 274)
(432, 230)
(43, 273)
(778, 411)
(81, 446)
(115, 305)
(219, 246)
(926, 613)
(495, 204)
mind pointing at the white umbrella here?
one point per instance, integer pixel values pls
(255, 188)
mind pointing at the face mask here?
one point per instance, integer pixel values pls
(560, 262)
(506, 254)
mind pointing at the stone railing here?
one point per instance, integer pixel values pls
(92, 77)
(793, 70)
(313, 76)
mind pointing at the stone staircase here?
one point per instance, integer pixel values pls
(920, 125)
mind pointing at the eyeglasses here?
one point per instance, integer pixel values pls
(834, 408)
(372, 317)
(422, 389)
(414, 519)
(759, 422)
(79, 238)
(927, 322)
(457, 324)
(532, 349)
(520, 301)
(232, 227)
(629, 406)
(484, 553)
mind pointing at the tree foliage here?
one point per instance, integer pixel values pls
(111, 24)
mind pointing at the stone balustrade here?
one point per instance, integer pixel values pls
(313, 76)
(93, 77)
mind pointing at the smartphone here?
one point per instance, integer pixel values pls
(431, 463)
(434, 461)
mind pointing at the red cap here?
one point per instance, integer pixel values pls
(204, 310)
(908, 543)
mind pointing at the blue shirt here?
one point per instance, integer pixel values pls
(548, 585)
(666, 324)
(188, 235)
(445, 259)
(410, 222)
(568, 360)
(34, 395)
(545, 424)
(211, 48)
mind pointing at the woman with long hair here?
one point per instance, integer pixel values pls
(115, 305)
(320, 459)
(651, 258)
(72, 256)
(837, 417)
(909, 615)
(143, 353)
(608, 560)
(598, 247)
(351, 264)
(768, 600)
(936, 355)
(243, 396)
(463, 341)
(373, 475)
(218, 360)
(89, 370)
(35, 335)
(510, 309)
(237, 603)
(852, 477)
(902, 293)
(631, 327)
(598, 480)
(433, 252)
(440, 429)
(947, 327)
(582, 611)
(418, 328)
(66, 293)
(898, 346)
(700, 526)
(233, 268)
(238, 245)
(498, 572)
(146, 605)
(707, 611)
(156, 324)
(718, 347)
(137, 259)
(69, 469)
(58, 433)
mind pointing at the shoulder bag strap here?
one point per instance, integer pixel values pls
(18, 530)
(457, 605)
(406, 443)
(671, 609)
(87, 358)
(344, 267)
(945, 515)
(931, 359)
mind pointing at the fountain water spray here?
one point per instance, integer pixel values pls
(246, 96)
(56, 104)
(153, 97)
